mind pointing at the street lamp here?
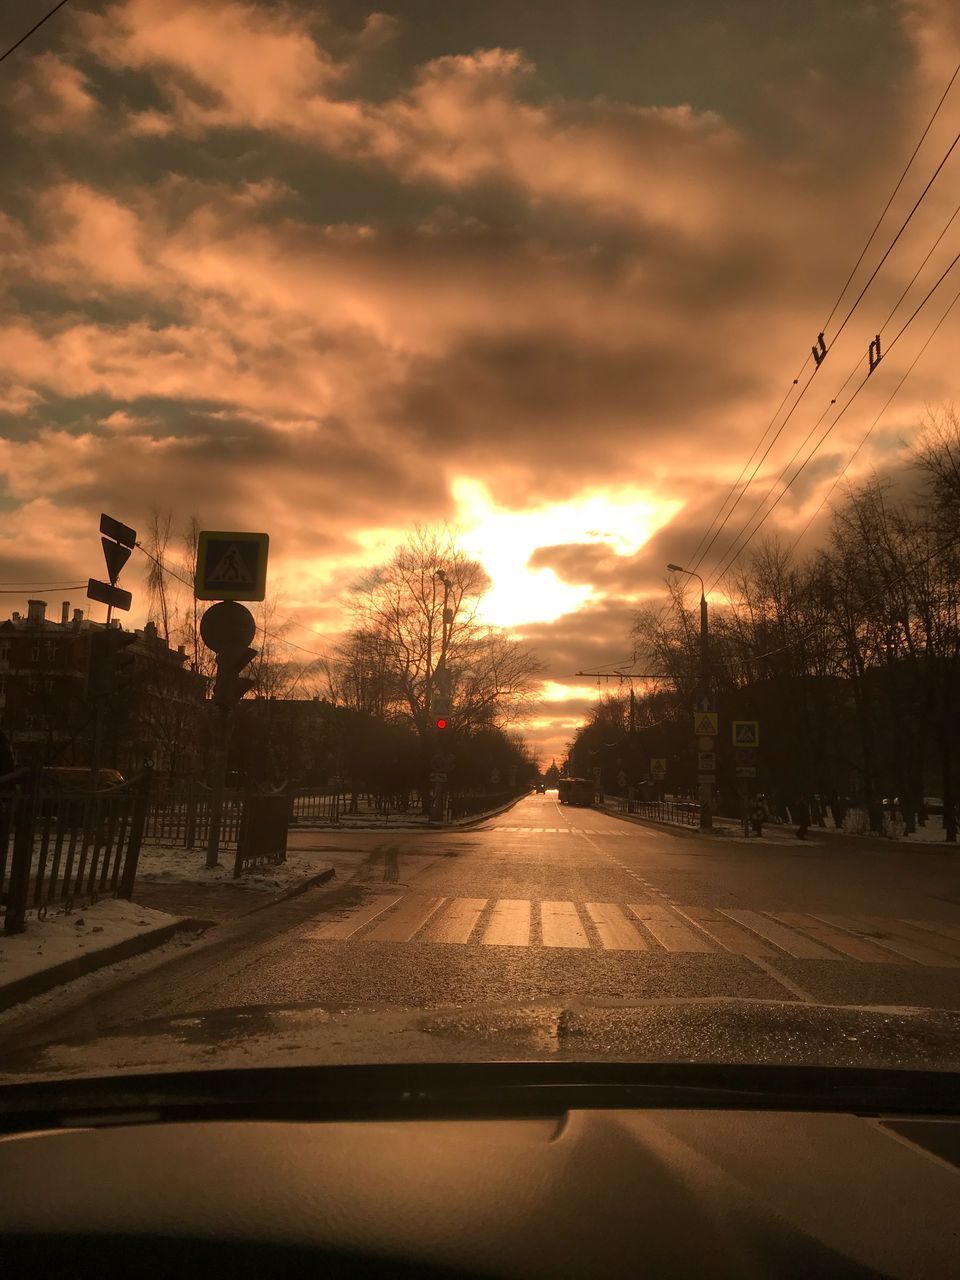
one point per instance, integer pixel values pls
(706, 823)
(441, 708)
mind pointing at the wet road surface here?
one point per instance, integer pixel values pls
(542, 913)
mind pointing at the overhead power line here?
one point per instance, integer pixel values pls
(893, 193)
(19, 591)
(36, 27)
(929, 294)
(698, 555)
(272, 635)
(870, 429)
(789, 463)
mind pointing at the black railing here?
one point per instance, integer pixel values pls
(684, 812)
(464, 805)
(314, 805)
(63, 846)
(182, 816)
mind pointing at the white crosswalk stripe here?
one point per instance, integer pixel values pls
(652, 927)
(565, 831)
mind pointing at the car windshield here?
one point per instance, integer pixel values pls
(481, 571)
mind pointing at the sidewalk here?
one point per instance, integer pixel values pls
(174, 893)
(930, 838)
(65, 945)
(171, 878)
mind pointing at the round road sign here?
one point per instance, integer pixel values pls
(227, 625)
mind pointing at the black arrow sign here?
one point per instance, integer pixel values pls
(116, 557)
(117, 531)
(107, 593)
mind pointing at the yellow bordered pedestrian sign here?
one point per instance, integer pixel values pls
(705, 722)
(746, 733)
(231, 566)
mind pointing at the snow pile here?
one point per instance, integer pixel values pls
(65, 936)
(170, 864)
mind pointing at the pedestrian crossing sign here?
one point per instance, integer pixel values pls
(746, 733)
(231, 566)
(705, 722)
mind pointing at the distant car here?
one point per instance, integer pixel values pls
(541, 788)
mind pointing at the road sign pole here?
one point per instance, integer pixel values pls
(97, 748)
(218, 777)
(706, 779)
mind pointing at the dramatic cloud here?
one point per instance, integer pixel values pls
(335, 272)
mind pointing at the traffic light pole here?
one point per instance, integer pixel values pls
(218, 777)
(99, 715)
(706, 780)
(227, 628)
(439, 778)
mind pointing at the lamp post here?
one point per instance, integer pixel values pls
(441, 683)
(705, 779)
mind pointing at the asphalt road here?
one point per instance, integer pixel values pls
(542, 922)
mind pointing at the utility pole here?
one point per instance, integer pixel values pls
(706, 710)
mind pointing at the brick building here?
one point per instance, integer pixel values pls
(45, 713)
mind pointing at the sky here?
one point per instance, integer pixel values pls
(543, 270)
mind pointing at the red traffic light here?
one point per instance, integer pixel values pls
(441, 723)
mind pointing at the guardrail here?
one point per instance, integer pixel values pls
(64, 846)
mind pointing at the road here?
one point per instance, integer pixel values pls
(540, 921)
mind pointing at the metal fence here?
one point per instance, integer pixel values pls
(465, 805)
(182, 816)
(308, 805)
(684, 812)
(62, 846)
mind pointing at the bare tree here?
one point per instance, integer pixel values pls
(402, 603)
(158, 584)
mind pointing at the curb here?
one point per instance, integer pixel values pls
(480, 817)
(44, 980)
(37, 984)
(293, 892)
(433, 826)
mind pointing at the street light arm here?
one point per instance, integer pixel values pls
(676, 568)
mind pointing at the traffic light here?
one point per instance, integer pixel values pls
(440, 708)
(111, 669)
(229, 686)
(124, 662)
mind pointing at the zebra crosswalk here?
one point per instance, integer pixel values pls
(392, 917)
(618, 830)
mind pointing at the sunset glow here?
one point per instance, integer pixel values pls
(504, 540)
(368, 270)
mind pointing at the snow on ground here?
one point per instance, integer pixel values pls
(172, 864)
(64, 936)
